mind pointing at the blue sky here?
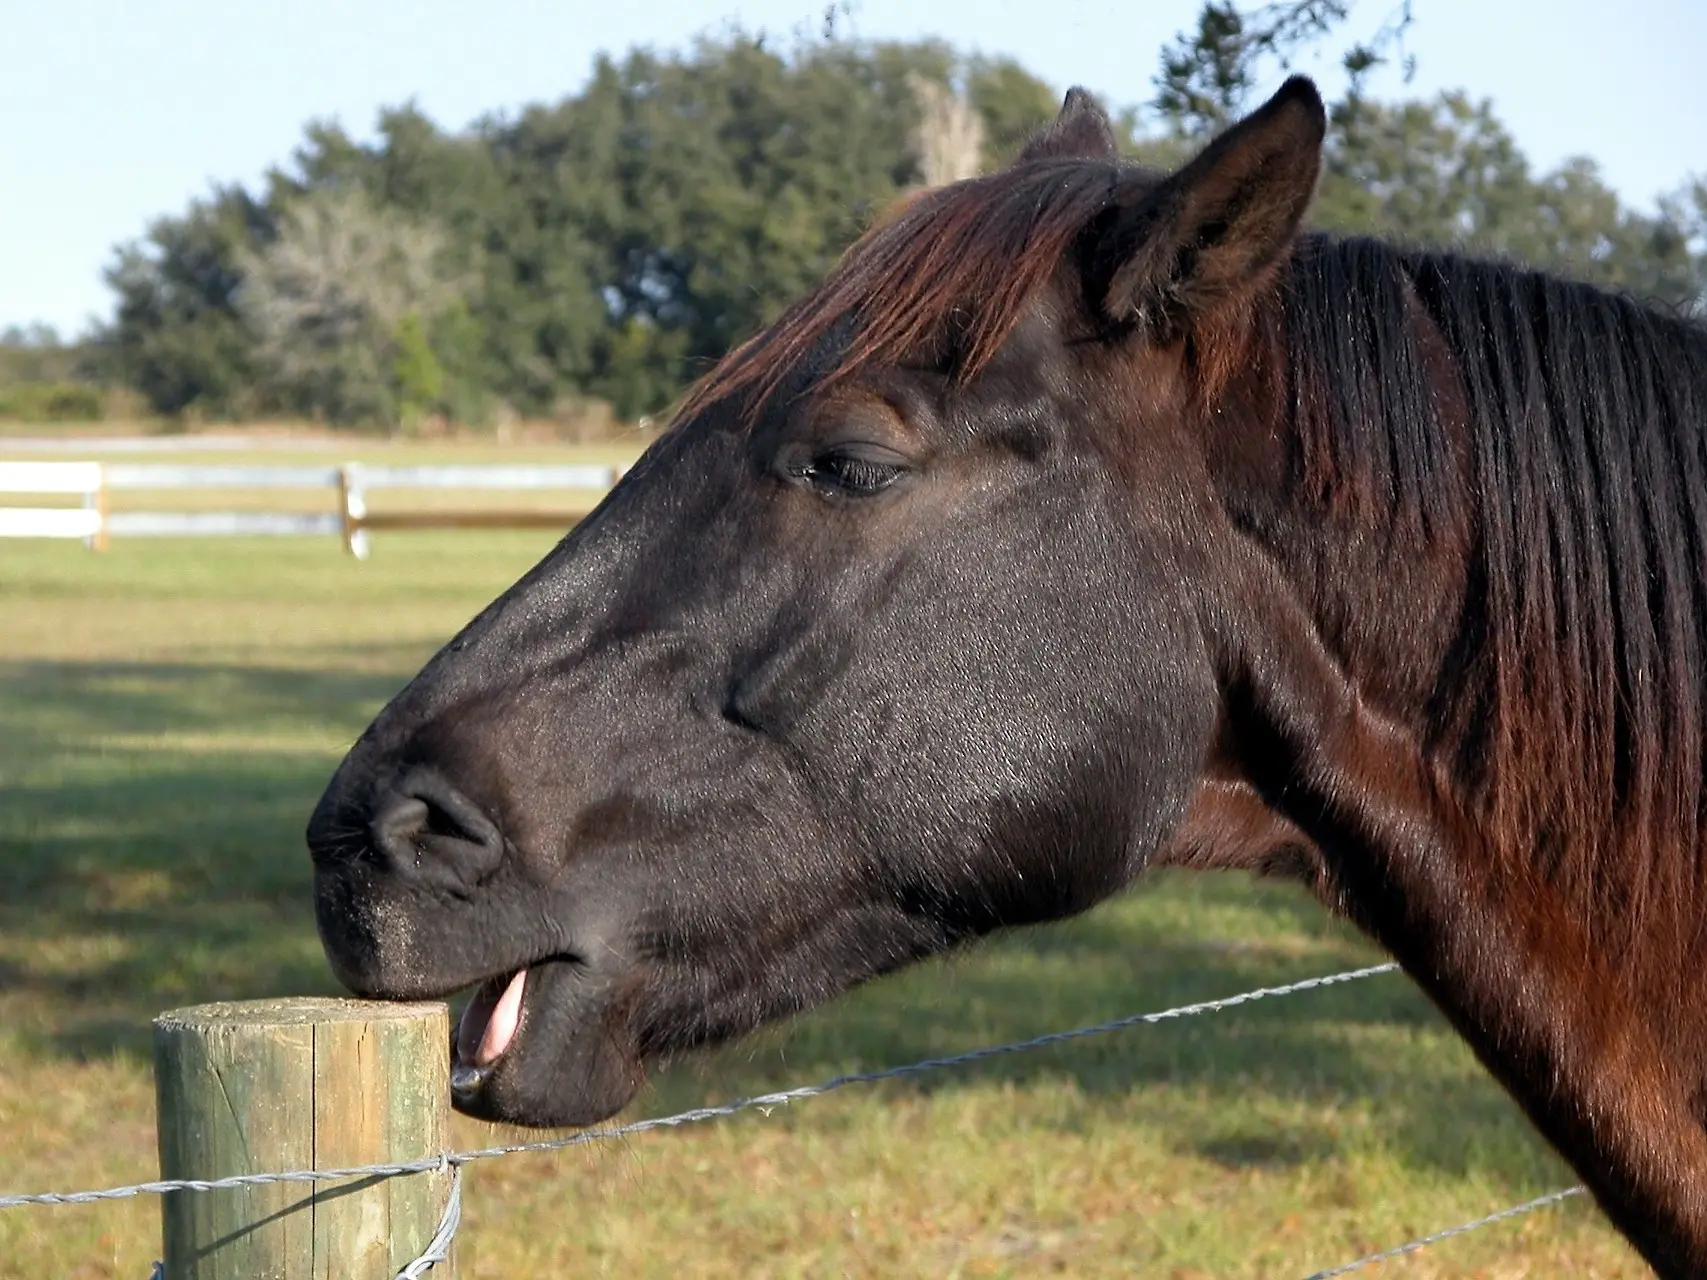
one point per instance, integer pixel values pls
(113, 112)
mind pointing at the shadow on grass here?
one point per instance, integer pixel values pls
(151, 839)
(73, 705)
(143, 878)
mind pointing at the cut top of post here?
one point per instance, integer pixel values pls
(296, 1011)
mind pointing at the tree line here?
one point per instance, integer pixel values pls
(604, 249)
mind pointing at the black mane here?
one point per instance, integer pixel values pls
(1576, 452)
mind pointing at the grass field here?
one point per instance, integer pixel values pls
(168, 714)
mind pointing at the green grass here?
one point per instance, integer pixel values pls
(168, 714)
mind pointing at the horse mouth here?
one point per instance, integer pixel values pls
(491, 1020)
(490, 1027)
(536, 1045)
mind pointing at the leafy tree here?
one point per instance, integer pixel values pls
(1581, 229)
(1012, 103)
(546, 245)
(458, 345)
(45, 379)
(35, 353)
(177, 336)
(482, 197)
(1683, 218)
(1448, 172)
(416, 372)
(26, 337)
(340, 302)
(1441, 172)
(1207, 78)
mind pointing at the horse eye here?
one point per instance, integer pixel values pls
(850, 474)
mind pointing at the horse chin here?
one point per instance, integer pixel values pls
(564, 1064)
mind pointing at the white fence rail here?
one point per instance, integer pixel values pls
(45, 479)
(349, 517)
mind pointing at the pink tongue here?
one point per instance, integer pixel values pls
(501, 1023)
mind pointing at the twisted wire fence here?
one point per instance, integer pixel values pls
(439, 1247)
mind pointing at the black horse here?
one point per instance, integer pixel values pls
(1088, 519)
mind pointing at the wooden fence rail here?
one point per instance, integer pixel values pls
(349, 518)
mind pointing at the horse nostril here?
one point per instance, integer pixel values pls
(398, 822)
(424, 824)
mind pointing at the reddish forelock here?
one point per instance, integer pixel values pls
(945, 278)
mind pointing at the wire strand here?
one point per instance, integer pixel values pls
(696, 1114)
(438, 1249)
(1528, 1206)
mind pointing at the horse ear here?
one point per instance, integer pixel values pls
(1080, 132)
(1174, 252)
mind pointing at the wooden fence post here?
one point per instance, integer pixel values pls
(352, 502)
(275, 1085)
(97, 502)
